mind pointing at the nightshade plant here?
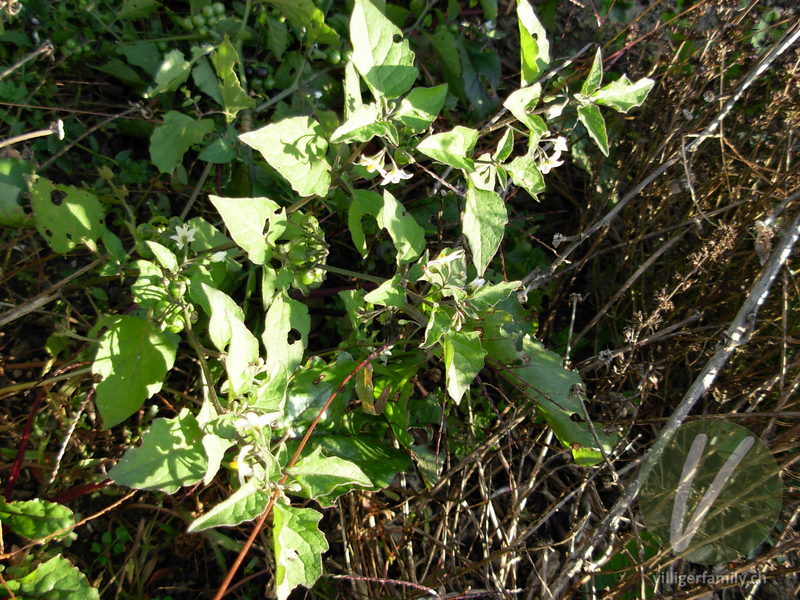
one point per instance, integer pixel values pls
(261, 391)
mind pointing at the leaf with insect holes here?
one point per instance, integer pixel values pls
(133, 358)
(380, 53)
(408, 236)
(299, 545)
(286, 333)
(534, 47)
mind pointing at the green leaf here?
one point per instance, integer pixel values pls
(485, 219)
(452, 147)
(172, 73)
(364, 124)
(595, 77)
(149, 290)
(389, 293)
(220, 152)
(463, 360)
(295, 147)
(386, 65)
(246, 220)
(590, 116)
(133, 359)
(325, 478)
(142, 54)
(526, 174)
(245, 504)
(56, 579)
(299, 545)
(489, 296)
(406, 233)
(489, 9)
(206, 80)
(170, 141)
(277, 37)
(226, 329)
(420, 107)
(352, 90)
(304, 14)
(439, 322)
(117, 68)
(478, 68)
(234, 98)
(163, 255)
(14, 175)
(35, 519)
(79, 216)
(521, 104)
(623, 95)
(377, 460)
(137, 9)
(171, 456)
(286, 333)
(215, 448)
(505, 146)
(534, 47)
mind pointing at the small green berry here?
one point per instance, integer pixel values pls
(219, 8)
(198, 20)
(208, 11)
(334, 56)
(269, 83)
(71, 44)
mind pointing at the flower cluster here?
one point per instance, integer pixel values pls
(375, 163)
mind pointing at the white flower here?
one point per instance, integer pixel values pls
(218, 256)
(550, 163)
(476, 283)
(184, 234)
(560, 145)
(395, 176)
(373, 163)
(256, 421)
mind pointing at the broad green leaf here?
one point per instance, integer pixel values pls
(534, 47)
(386, 65)
(246, 220)
(452, 147)
(133, 358)
(117, 68)
(305, 15)
(215, 448)
(277, 37)
(505, 146)
(171, 456)
(226, 329)
(463, 359)
(299, 545)
(526, 174)
(245, 504)
(363, 125)
(149, 290)
(137, 9)
(590, 116)
(324, 478)
(163, 255)
(444, 42)
(489, 296)
(220, 152)
(485, 219)
(377, 460)
(623, 95)
(420, 107)
(595, 77)
(234, 98)
(170, 141)
(311, 387)
(206, 80)
(521, 104)
(172, 73)
(479, 69)
(79, 215)
(485, 173)
(439, 322)
(35, 519)
(489, 9)
(142, 54)
(14, 175)
(389, 293)
(295, 147)
(56, 579)
(352, 90)
(286, 333)
(406, 233)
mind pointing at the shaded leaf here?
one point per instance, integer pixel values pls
(484, 223)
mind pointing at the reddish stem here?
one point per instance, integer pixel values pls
(23, 444)
(81, 490)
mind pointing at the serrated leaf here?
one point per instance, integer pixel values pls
(386, 65)
(363, 125)
(505, 146)
(299, 545)
(452, 147)
(286, 331)
(171, 456)
(245, 504)
(463, 357)
(79, 215)
(389, 293)
(590, 116)
(246, 220)
(234, 98)
(534, 47)
(325, 478)
(526, 174)
(623, 95)
(484, 223)
(170, 141)
(56, 579)
(420, 107)
(295, 147)
(35, 519)
(595, 77)
(133, 358)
